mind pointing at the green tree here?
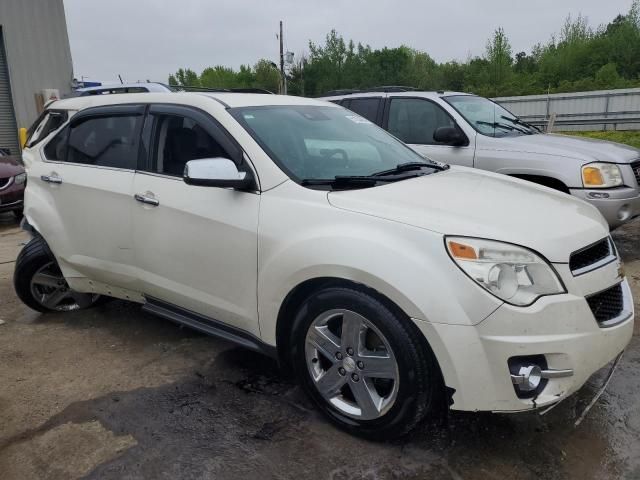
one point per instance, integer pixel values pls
(498, 54)
(266, 76)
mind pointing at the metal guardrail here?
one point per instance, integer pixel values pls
(580, 109)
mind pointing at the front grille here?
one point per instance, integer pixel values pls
(636, 170)
(4, 182)
(590, 255)
(607, 304)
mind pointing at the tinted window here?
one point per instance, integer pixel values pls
(365, 107)
(414, 120)
(56, 148)
(176, 140)
(105, 141)
(48, 122)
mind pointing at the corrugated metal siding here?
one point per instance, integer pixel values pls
(38, 52)
(580, 110)
(8, 130)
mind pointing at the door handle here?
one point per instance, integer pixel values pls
(147, 200)
(51, 179)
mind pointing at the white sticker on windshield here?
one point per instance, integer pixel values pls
(357, 119)
(248, 116)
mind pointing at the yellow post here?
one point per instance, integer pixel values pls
(22, 135)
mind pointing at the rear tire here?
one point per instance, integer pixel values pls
(40, 284)
(365, 367)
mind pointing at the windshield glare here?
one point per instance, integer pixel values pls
(318, 142)
(488, 117)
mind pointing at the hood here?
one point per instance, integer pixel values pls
(584, 149)
(10, 166)
(469, 202)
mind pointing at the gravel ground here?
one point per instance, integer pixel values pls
(114, 393)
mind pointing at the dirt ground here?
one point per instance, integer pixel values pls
(114, 393)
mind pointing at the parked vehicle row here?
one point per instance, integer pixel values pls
(467, 130)
(393, 286)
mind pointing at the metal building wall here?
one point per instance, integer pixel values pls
(38, 52)
(597, 110)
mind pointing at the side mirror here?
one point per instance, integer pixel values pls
(22, 135)
(450, 136)
(216, 172)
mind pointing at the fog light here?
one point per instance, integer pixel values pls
(531, 377)
(624, 212)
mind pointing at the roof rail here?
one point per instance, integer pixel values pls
(384, 89)
(190, 88)
(392, 88)
(341, 91)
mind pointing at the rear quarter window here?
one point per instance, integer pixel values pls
(49, 121)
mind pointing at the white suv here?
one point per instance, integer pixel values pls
(394, 287)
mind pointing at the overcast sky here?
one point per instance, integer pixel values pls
(149, 39)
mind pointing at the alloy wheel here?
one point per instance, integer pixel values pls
(352, 364)
(50, 289)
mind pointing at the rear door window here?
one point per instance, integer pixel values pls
(365, 107)
(105, 141)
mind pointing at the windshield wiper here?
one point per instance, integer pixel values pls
(517, 121)
(498, 125)
(344, 181)
(361, 180)
(410, 166)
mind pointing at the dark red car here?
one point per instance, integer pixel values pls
(12, 182)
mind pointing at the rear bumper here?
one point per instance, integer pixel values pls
(474, 359)
(622, 205)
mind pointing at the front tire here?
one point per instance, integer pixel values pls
(364, 366)
(40, 284)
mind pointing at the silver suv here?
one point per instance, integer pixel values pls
(472, 131)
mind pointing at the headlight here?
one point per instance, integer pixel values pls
(601, 175)
(20, 178)
(511, 273)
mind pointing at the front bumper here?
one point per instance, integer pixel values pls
(12, 206)
(11, 197)
(474, 359)
(622, 205)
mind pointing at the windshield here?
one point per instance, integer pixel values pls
(488, 117)
(318, 142)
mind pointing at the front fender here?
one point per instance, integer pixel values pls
(563, 169)
(408, 265)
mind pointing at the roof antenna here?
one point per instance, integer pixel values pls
(121, 82)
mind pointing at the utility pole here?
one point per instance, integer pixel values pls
(282, 75)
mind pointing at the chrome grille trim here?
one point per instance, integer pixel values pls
(599, 261)
(635, 166)
(5, 182)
